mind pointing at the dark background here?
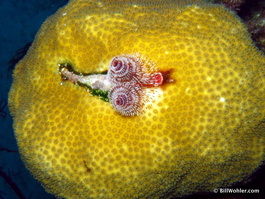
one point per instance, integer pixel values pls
(19, 23)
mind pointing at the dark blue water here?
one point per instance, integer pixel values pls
(19, 21)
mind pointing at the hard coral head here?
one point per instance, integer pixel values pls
(203, 128)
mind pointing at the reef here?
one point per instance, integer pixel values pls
(231, 4)
(252, 14)
(140, 99)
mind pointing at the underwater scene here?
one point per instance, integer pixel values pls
(126, 99)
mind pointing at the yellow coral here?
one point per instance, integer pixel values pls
(204, 130)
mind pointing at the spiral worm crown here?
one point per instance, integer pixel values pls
(124, 69)
(126, 99)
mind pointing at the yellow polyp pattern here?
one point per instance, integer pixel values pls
(203, 130)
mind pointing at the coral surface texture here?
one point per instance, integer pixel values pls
(191, 118)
